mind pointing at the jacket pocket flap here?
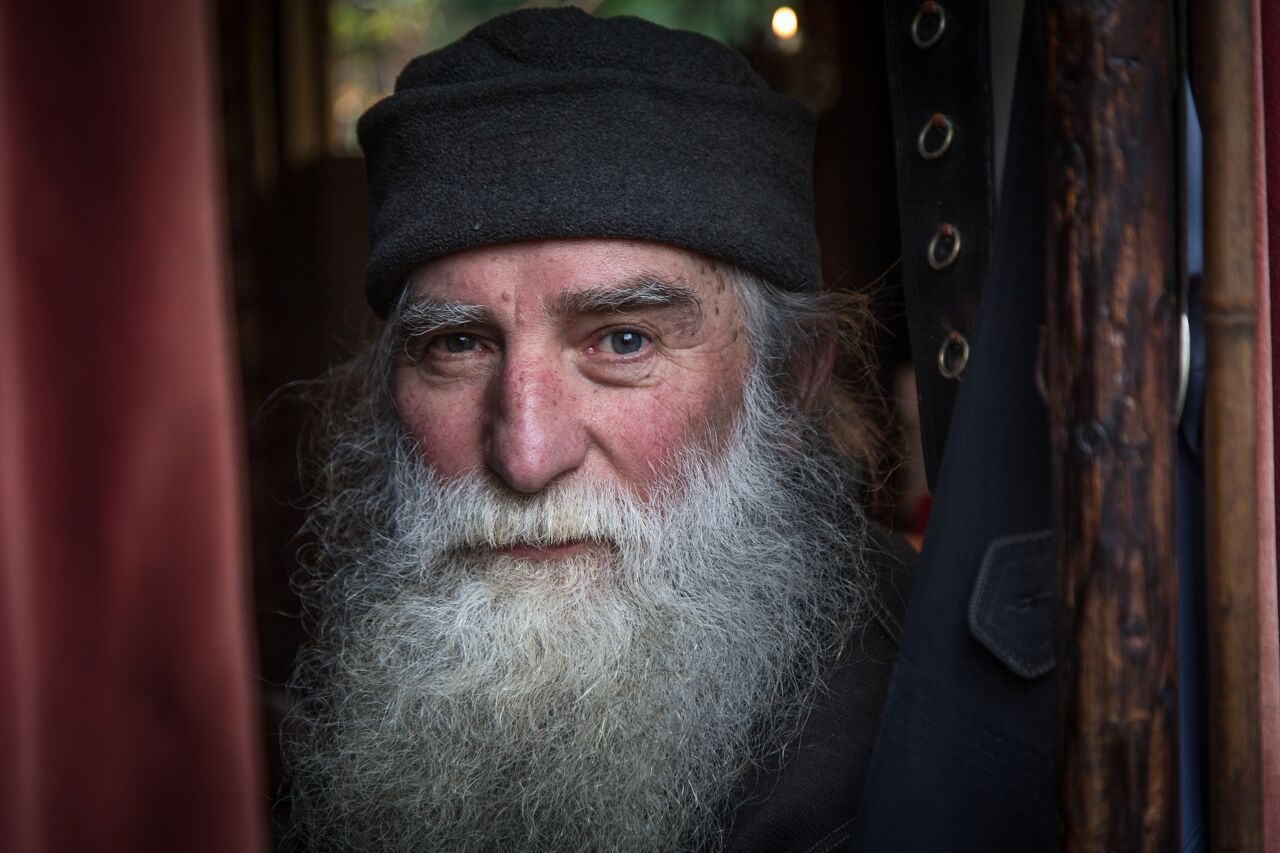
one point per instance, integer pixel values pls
(1011, 609)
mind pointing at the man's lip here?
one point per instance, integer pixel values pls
(559, 550)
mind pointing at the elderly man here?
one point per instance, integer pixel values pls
(591, 570)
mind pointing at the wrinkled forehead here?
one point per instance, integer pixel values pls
(575, 274)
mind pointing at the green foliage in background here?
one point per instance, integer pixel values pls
(731, 21)
(371, 40)
(368, 25)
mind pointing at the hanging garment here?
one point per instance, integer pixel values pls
(966, 756)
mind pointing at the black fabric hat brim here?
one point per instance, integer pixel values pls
(723, 170)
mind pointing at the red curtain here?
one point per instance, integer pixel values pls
(1267, 114)
(126, 696)
(1270, 42)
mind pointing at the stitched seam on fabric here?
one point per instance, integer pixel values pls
(992, 633)
(833, 845)
(812, 847)
(983, 631)
(1030, 667)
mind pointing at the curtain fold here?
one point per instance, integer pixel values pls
(127, 722)
(1267, 120)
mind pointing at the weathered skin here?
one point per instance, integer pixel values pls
(543, 394)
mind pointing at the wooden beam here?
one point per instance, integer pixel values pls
(1111, 325)
(1223, 50)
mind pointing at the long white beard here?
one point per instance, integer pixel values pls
(458, 699)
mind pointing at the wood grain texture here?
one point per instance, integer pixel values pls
(1111, 326)
(1223, 48)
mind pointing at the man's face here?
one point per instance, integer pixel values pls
(600, 584)
(560, 360)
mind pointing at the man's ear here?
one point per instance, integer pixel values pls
(811, 370)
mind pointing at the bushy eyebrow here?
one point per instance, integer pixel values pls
(424, 315)
(636, 293)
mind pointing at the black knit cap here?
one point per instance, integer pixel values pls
(551, 123)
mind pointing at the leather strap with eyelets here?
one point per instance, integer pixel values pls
(943, 132)
(940, 94)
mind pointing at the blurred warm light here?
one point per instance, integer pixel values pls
(348, 104)
(785, 23)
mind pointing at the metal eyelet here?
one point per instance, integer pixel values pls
(937, 121)
(953, 355)
(946, 231)
(931, 9)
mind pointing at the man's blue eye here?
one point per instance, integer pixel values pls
(459, 343)
(625, 343)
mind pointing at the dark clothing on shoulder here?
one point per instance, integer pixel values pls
(809, 806)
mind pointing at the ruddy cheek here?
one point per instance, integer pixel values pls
(662, 437)
(447, 436)
(642, 438)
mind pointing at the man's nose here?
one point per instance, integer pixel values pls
(536, 432)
